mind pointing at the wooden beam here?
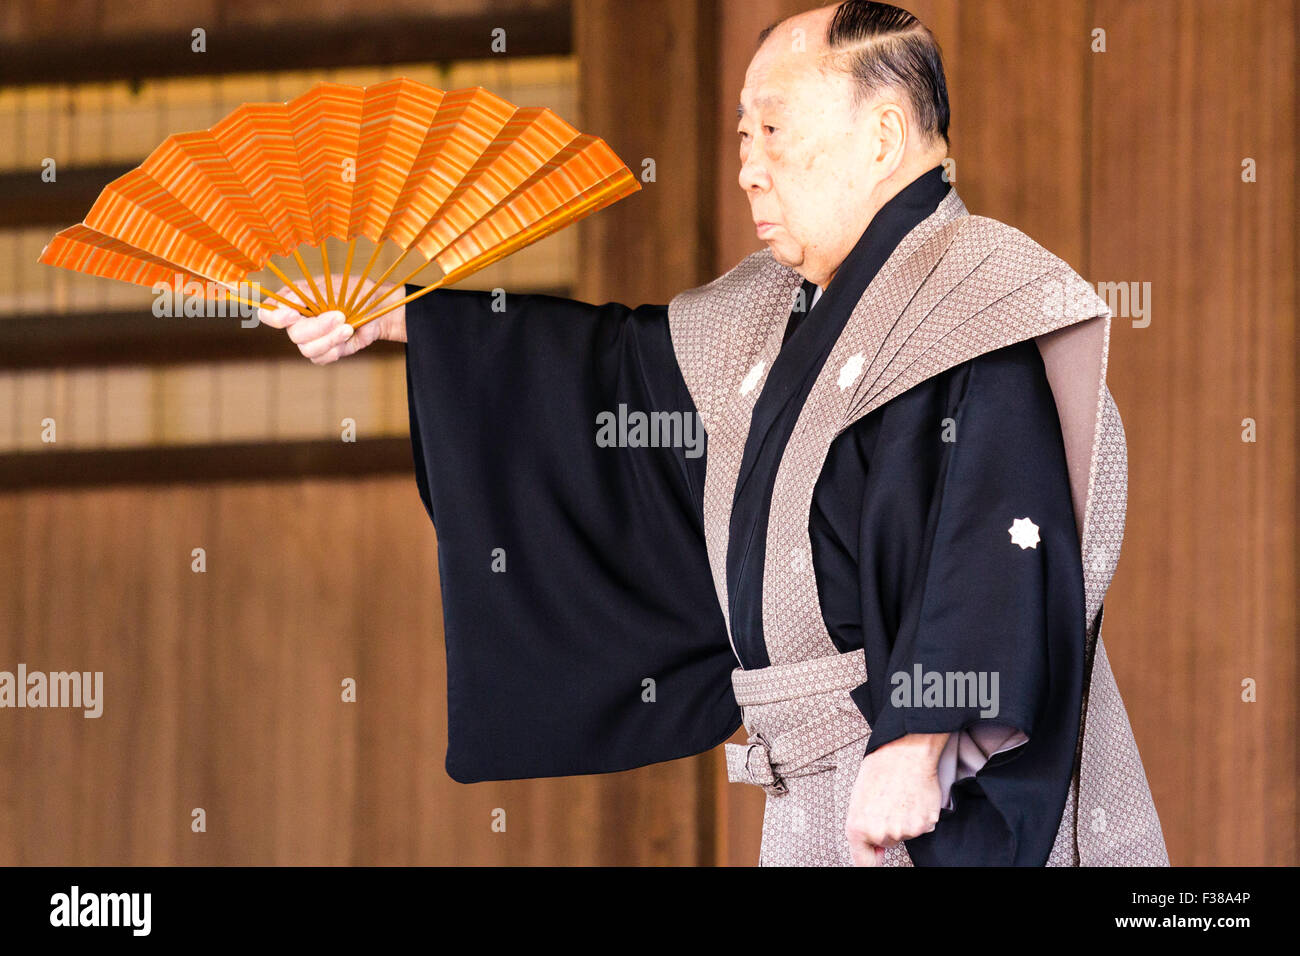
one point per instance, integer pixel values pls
(26, 200)
(224, 462)
(535, 30)
(135, 337)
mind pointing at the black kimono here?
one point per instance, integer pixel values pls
(583, 630)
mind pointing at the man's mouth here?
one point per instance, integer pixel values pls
(763, 228)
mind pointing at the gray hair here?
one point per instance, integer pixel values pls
(885, 47)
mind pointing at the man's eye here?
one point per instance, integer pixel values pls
(769, 130)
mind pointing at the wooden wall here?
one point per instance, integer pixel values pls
(1207, 586)
(223, 691)
(1128, 164)
(223, 688)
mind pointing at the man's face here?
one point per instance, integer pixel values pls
(805, 157)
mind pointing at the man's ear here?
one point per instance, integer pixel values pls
(894, 132)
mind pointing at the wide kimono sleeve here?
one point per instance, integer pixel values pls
(583, 634)
(988, 625)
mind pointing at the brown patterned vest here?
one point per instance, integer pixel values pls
(957, 286)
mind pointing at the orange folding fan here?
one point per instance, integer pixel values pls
(459, 177)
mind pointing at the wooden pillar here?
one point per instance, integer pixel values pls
(646, 86)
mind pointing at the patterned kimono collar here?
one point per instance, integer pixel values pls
(809, 336)
(956, 286)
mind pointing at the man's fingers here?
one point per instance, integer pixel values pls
(865, 853)
(336, 334)
(336, 352)
(307, 331)
(863, 845)
(325, 337)
(278, 317)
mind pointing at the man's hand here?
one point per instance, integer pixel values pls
(895, 797)
(326, 337)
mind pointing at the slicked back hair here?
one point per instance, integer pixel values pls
(882, 46)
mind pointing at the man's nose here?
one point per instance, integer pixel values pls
(753, 175)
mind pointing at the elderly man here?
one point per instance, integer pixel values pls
(907, 515)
